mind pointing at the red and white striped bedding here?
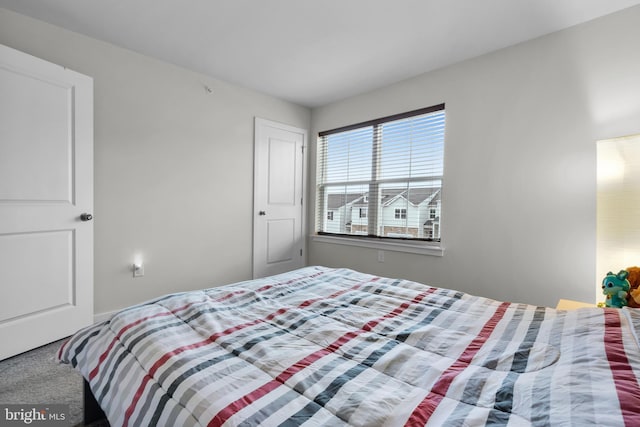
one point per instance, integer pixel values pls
(335, 347)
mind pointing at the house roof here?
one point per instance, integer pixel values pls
(435, 220)
(386, 195)
(418, 195)
(415, 196)
(335, 201)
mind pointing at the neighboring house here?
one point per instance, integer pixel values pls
(413, 213)
(339, 207)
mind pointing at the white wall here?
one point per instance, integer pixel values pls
(519, 198)
(173, 165)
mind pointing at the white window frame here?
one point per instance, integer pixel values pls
(422, 247)
(414, 247)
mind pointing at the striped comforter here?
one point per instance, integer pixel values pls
(334, 347)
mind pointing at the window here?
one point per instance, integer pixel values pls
(330, 215)
(386, 172)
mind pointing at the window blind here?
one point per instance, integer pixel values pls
(383, 178)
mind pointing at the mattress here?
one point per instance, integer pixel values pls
(336, 347)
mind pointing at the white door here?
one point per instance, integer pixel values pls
(278, 238)
(46, 185)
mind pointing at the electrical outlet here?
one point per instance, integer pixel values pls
(138, 270)
(380, 256)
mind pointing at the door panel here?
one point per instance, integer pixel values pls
(46, 183)
(281, 238)
(282, 172)
(52, 253)
(25, 145)
(278, 198)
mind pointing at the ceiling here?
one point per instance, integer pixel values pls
(314, 52)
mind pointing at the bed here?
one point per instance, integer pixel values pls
(336, 347)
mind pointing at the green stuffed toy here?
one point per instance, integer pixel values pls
(616, 287)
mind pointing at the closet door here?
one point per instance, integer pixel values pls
(46, 202)
(278, 238)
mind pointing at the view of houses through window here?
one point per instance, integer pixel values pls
(407, 213)
(383, 178)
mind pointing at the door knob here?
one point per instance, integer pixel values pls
(86, 217)
(262, 213)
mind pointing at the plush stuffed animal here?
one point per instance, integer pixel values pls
(633, 299)
(616, 287)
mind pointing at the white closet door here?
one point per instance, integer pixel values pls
(46, 202)
(278, 239)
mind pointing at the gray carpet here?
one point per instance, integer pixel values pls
(35, 377)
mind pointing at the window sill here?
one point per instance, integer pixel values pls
(420, 248)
